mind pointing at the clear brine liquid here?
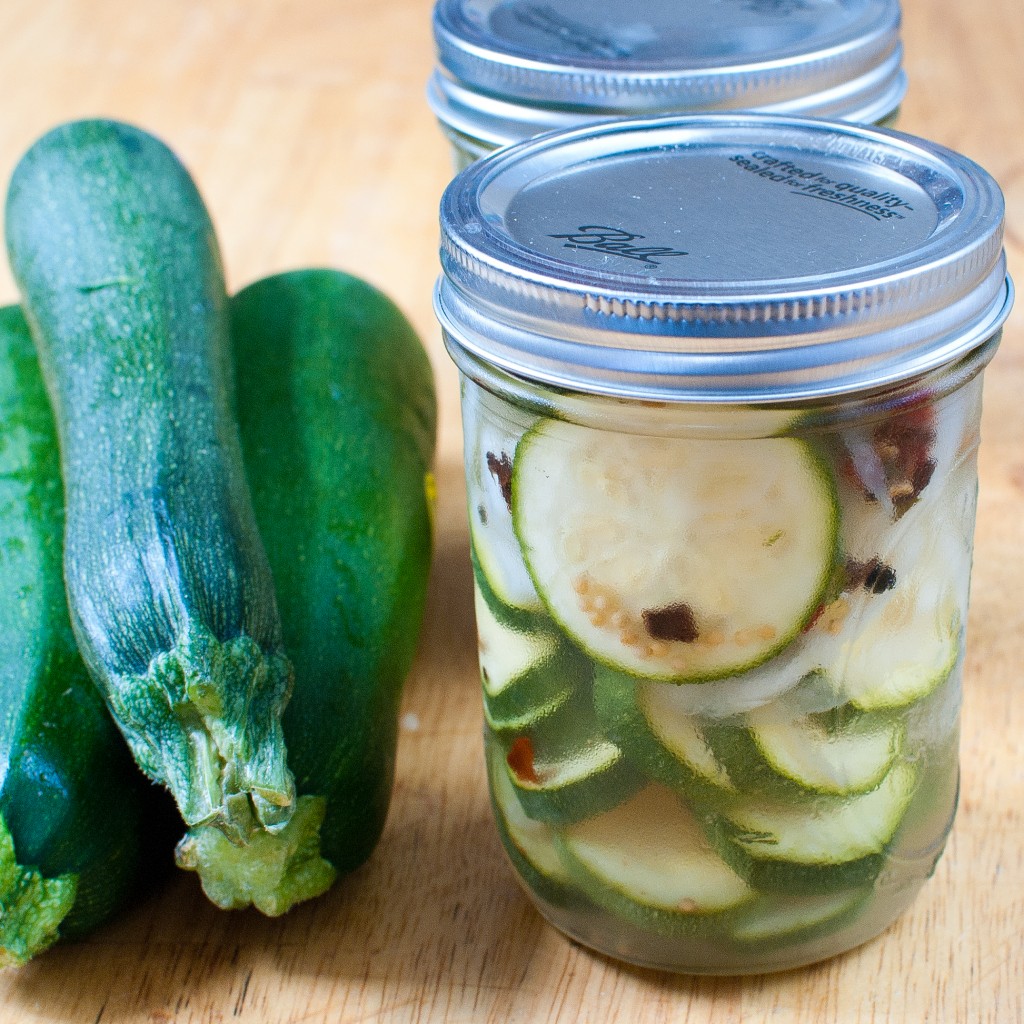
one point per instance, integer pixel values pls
(722, 669)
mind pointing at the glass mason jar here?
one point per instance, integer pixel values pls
(511, 69)
(721, 396)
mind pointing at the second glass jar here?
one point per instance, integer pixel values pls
(508, 70)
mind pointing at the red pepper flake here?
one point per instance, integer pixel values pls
(520, 760)
(674, 622)
(813, 620)
(501, 470)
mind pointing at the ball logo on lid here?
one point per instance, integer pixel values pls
(599, 238)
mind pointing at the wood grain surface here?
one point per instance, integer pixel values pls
(305, 125)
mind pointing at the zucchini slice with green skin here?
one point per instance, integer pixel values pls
(673, 558)
(903, 643)
(525, 676)
(539, 722)
(584, 780)
(530, 844)
(901, 653)
(648, 862)
(573, 771)
(492, 431)
(904, 639)
(776, 747)
(669, 748)
(523, 619)
(70, 797)
(336, 408)
(778, 921)
(803, 749)
(168, 585)
(820, 842)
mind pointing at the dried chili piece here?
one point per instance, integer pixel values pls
(873, 575)
(520, 760)
(674, 622)
(500, 468)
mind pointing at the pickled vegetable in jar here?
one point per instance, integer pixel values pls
(511, 69)
(721, 394)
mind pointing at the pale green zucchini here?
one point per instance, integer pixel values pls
(169, 589)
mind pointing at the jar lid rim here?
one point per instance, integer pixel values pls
(629, 248)
(800, 55)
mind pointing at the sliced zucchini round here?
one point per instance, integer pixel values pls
(526, 676)
(782, 747)
(905, 641)
(776, 921)
(669, 748)
(674, 558)
(818, 843)
(525, 620)
(582, 781)
(528, 843)
(901, 652)
(492, 431)
(899, 639)
(824, 755)
(540, 720)
(647, 861)
(542, 723)
(570, 770)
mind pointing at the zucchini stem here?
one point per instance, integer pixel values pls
(31, 907)
(273, 871)
(205, 720)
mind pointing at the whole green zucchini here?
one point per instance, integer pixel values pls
(69, 794)
(336, 407)
(168, 585)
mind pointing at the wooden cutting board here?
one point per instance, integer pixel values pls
(305, 124)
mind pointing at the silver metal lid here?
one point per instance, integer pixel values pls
(509, 69)
(721, 258)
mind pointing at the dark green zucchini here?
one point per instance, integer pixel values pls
(69, 794)
(336, 407)
(169, 589)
